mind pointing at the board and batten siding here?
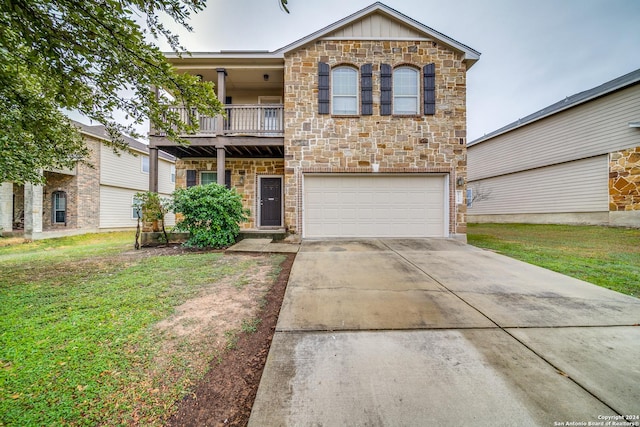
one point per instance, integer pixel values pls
(374, 27)
(578, 186)
(593, 128)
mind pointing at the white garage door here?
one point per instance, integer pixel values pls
(374, 206)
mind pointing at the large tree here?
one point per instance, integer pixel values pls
(90, 56)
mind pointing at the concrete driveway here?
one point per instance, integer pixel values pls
(435, 332)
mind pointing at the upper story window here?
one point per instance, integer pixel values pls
(344, 91)
(406, 91)
(145, 164)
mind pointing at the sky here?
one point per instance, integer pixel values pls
(534, 53)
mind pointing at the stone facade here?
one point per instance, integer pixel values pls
(244, 177)
(399, 144)
(624, 180)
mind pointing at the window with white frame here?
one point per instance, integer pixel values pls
(344, 91)
(136, 208)
(145, 164)
(59, 208)
(208, 178)
(406, 90)
(173, 174)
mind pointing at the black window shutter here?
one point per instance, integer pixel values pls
(191, 178)
(385, 89)
(430, 89)
(323, 88)
(366, 90)
(227, 178)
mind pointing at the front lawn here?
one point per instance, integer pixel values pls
(93, 332)
(608, 257)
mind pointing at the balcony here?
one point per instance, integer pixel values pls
(264, 120)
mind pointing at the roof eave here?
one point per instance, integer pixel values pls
(516, 125)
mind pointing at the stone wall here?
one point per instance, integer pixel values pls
(244, 177)
(405, 144)
(624, 180)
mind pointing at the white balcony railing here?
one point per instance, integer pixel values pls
(259, 120)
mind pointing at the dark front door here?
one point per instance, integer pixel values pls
(270, 203)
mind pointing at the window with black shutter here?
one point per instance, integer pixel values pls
(323, 88)
(430, 89)
(366, 90)
(191, 178)
(386, 94)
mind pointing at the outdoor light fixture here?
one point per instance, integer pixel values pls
(266, 77)
(460, 181)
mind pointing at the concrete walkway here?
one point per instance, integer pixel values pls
(438, 333)
(264, 246)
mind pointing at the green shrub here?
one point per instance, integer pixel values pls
(210, 213)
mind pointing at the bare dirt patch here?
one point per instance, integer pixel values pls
(225, 395)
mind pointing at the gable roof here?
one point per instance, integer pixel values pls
(569, 102)
(471, 56)
(414, 29)
(100, 132)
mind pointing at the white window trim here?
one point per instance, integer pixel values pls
(135, 205)
(357, 94)
(173, 174)
(142, 159)
(416, 96)
(54, 219)
(213, 172)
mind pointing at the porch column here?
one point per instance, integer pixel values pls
(220, 163)
(153, 170)
(32, 209)
(222, 93)
(6, 207)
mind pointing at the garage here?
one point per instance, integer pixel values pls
(372, 205)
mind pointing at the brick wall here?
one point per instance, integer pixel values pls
(244, 177)
(89, 187)
(351, 144)
(624, 180)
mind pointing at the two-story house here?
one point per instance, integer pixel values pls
(356, 130)
(91, 197)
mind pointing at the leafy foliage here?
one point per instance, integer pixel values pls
(85, 55)
(210, 213)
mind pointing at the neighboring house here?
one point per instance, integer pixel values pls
(357, 130)
(576, 161)
(87, 198)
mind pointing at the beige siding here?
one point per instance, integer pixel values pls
(116, 208)
(124, 170)
(376, 26)
(579, 186)
(165, 186)
(590, 129)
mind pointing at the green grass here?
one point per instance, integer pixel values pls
(76, 328)
(608, 257)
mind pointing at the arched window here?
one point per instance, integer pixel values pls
(59, 208)
(406, 91)
(344, 91)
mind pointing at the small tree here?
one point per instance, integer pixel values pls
(153, 208)
(210, 213)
